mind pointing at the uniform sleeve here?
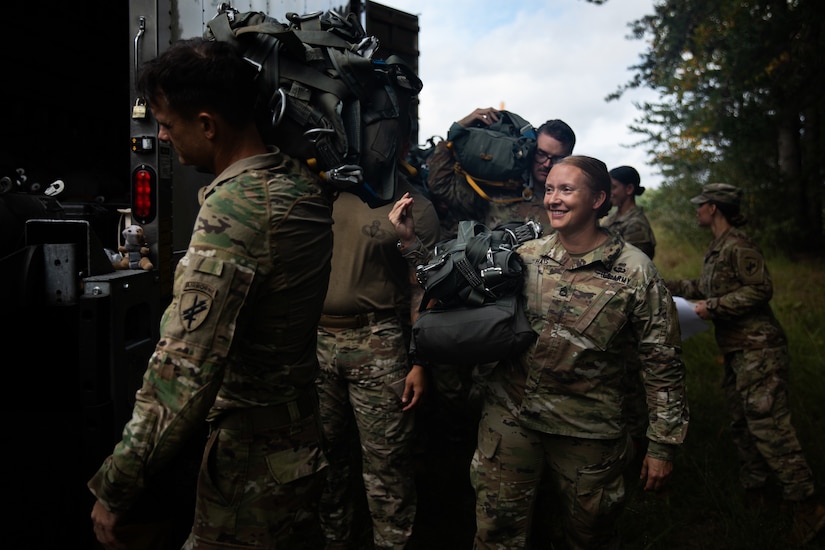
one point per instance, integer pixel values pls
(686, 288)
(427, 231)
(664, 375)
(452, 196)
(754, 288)
(640, 235)
(184, 373)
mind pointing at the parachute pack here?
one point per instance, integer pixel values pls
(472, 310)
(324, 98)
(495, 158)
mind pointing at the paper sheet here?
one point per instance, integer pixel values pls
(689, 322)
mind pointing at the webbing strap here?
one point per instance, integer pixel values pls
(302, 73)
(480, 191)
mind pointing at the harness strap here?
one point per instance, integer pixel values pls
(510, 185)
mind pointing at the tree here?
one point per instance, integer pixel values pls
(739, 83)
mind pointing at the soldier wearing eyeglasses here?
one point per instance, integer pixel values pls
(456, 199)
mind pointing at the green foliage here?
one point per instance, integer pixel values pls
(705, 507)
(740, 101)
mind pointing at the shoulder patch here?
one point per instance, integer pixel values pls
(751, 266)
(195, 303)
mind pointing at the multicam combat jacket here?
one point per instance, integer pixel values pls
(634, 227)
(241, 328)
(591, 313)
(737, 286)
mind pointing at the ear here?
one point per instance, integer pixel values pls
(208, 124)
(599, 199)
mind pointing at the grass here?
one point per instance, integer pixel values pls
(704, 507)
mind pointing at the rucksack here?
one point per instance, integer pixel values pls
(472, 310)
(323, 97)
(495, 158)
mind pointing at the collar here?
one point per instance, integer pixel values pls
(606, 253)
(256, 162)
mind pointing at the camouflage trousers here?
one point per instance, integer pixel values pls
(363, 371)
(756, 388)
(507, 470)
(260, 480)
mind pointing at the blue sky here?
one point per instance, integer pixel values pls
(539, 58)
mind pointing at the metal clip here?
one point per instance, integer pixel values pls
(421, 271)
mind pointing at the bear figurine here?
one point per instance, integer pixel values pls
(134, 251)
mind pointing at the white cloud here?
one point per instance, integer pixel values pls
(542, 59)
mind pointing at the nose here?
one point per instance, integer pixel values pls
(550, 196)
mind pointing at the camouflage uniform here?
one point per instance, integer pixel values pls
(635, 229)
(559, 407)
(737, 286)
(237, 348)
(362, 349)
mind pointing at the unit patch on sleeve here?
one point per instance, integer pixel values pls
(750, 265)
(195, 303)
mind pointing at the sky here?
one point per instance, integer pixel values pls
(541, 59)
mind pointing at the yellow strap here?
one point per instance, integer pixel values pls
(511, 184)
(408, 167)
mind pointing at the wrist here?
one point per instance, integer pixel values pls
(414, 251)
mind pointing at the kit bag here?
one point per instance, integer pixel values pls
(495, 157)
(324, 98)
(473, 309)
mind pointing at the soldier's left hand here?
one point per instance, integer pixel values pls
(414, 387)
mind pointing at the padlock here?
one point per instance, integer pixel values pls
(139, 110)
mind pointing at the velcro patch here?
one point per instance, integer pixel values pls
(751, 266)
(195, 303)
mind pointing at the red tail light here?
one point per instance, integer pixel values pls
(144, 192)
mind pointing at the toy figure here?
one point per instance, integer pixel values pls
(134, 250)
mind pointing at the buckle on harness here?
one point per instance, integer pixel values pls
(421, 271)
(491, 276)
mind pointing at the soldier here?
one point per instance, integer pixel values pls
(734, 292)
(629, 220)
(456, 200)
(556, 410)
(367, 388)
(238, 340)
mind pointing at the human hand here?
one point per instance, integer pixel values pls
(701, 309)
(655, 473)
(414, 387)
(104, 523)
(486, 115)
(402, 219)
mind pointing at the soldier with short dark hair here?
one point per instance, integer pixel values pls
(368, 390)
(734, 292)
(237, 344)
(456, 199)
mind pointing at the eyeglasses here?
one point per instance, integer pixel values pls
(542, 157)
